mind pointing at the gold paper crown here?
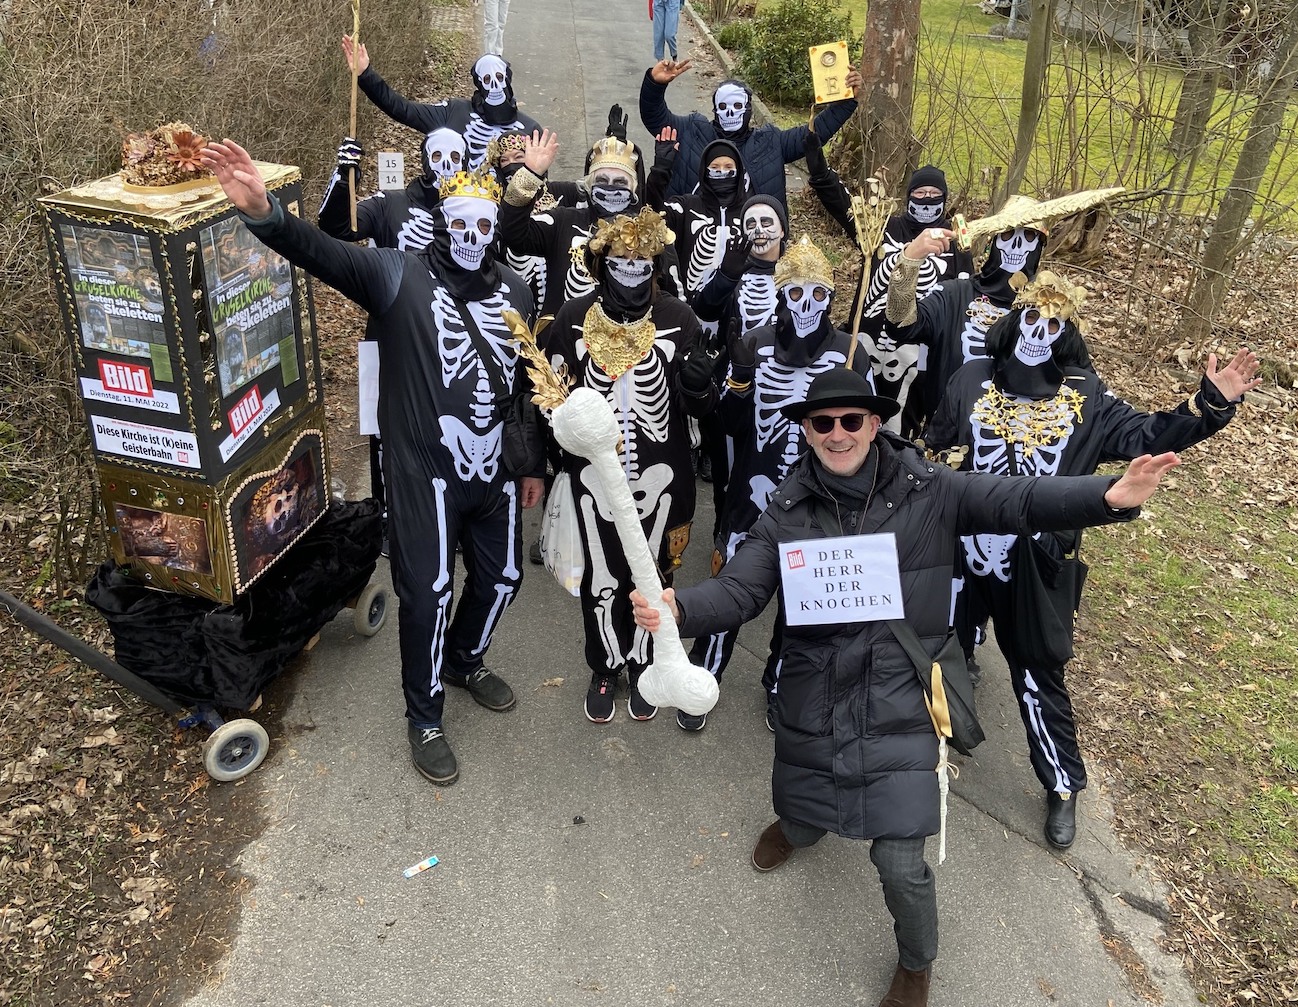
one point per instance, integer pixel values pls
(470, 183)
(804, 263)
(610, 152)
(639, 237)
(1053, 295)
(500, 144)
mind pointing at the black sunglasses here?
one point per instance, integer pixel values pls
(852, 422)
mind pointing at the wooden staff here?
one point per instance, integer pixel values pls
(355, 63)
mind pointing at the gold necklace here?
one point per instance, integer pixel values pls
(615, 347)
(1033, 423)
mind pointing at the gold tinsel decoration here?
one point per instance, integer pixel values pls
(1053, 295)
(1030, 424)
(616, 348)
(804, 263)
(639, 237)
(549, 389)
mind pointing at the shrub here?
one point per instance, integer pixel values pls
(737, 36)
(775, 63)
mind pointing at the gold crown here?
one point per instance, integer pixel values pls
(639, 237)
(610, 152)
(500, 144)
(1051, 294)
(804, 263)
(470, 183)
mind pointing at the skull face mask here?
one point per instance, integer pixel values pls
(731, 102)
(444, 153)
(807, 303)
(1015, 247)
(1037, 334)
(927, 210)
(762, 227)
(492, 75)
(630, 273)
(472, 226)
(611, 190)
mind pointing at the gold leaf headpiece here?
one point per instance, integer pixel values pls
(804, 263)
(502, 143)
(1051, 294)
(639, 237)
(479, 185)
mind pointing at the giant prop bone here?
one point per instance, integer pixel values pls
(583, 423)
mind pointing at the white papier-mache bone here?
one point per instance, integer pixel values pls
(584, 424)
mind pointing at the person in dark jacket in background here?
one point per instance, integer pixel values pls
(765, 149)
(855, 749)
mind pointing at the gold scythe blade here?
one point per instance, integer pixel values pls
(1022, 211)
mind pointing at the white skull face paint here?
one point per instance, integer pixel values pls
(611, 189)
(731, 104)
(807, 303)
(1015, 247)
(630, 272)
(1037, 334)
(491, 71)
(444, 152)
(472, 223)
(762, 227)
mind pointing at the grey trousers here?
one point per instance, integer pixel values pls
(909, 891)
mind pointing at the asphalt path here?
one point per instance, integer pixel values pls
(609, 864)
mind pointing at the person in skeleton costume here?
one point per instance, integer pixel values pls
(445, 349)
(491, 111)
(770, 367)
(1035, 407)
(401, 220)
(639, 348)
(952, 320)
(765, 150)
(741, 294)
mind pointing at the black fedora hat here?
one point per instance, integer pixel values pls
(842, 387)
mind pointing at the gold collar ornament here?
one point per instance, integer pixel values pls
(1031, 424)
(616, 348)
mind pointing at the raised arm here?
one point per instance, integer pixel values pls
(416, 115)
(654, 112)
(334, 217)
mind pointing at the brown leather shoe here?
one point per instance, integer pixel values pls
(908, 989)
(772, 848)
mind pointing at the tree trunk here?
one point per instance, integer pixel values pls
(1214, 273)
(1199, 87)
(1035, 63)
(887, 97)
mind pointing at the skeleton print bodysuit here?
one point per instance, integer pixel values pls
(1080, 427)
(655, 452)
(441, 428)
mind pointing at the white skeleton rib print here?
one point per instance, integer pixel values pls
(416, 231)
(756, 298)
(640, 398)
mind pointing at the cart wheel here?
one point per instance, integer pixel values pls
(235, 749)
(371, 610)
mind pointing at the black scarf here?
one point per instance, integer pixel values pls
(466, 284)
(993, 282)
(1014, 377)
(794, 350)
(622, 303)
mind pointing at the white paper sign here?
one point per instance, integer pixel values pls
(392, 169)
(145, 442)
(836, 580)
(367, 356)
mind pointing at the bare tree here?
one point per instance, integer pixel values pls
(1035, 63)
(888, 96)
(1204, 31)
(1224, 243)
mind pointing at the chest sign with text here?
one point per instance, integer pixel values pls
(835, 580)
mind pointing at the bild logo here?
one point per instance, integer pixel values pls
(796, 561)
(245, 411)
(130, 379)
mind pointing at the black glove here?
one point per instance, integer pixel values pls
(735, 258)
(665, 152)
(817, 166)
(349, 157)
(743, 356)
(695, 375)
(616, 123)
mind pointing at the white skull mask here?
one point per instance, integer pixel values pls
(1015, 247)
(492, 72)
(1037, 334)
(926, 211)
(807, 303)
(629, 272)
(444, 153)
(762, 227)
(731, 105)
(612, 189)
(472, 224)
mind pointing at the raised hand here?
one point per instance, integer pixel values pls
(735, 258)
(539, 151)
(350, 153)
(743, 355)
(665, 70)
(361, 54)
(617, 120)
(1237, 377)
(239, 178)
(665, 147)
(931, 241)
(853, 80)
(1140, 480)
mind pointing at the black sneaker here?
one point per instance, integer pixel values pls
(487, 689)
(599, 697)
(637, 707)
(432, 755)
(689, 722)
(534, 553)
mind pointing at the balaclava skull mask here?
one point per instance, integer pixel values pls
(807, 304)
(927, 209)
(1010, 252)
(722, 179)
(493, 96)
(471, 222)
(733, 104)
(612, 190)
(1030, 369)
(444, 153)
(763, 226)
(626, 288)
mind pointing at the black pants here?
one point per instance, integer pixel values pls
(909, 891)
(426, 520)
(1041, 693)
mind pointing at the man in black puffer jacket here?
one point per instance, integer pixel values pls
(855, 750)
